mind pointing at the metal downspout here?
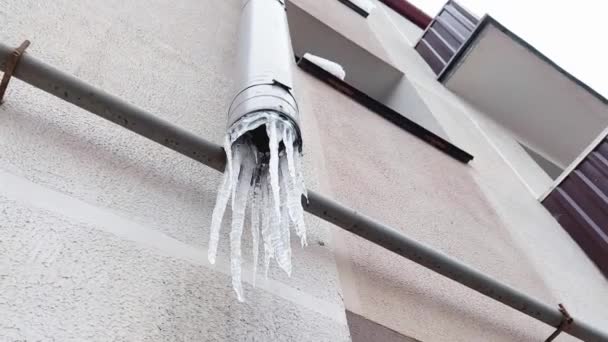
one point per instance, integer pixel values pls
(264, 63)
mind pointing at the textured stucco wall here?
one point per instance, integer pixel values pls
(103, 234)
(482, 214)
(377, 168)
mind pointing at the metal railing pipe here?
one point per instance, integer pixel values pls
(112, 108)
(85, 96)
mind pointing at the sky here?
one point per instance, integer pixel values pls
(571, 33)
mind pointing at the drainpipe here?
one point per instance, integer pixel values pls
(264, 62)
(263, 144)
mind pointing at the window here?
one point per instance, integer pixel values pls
(579, 202)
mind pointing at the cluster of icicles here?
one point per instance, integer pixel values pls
(271, 184)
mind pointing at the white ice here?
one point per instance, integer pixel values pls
(271, 183)
(327, 65)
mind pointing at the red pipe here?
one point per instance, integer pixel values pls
(410, 12)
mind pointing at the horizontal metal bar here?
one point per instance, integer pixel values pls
(111, 108)
(85, 96)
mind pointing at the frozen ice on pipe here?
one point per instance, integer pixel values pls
(327, 65)
(263, 182)
(270, 183)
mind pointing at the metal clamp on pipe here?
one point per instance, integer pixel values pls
(11, 65)
(567, 321)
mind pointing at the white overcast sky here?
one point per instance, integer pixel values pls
(574, 34)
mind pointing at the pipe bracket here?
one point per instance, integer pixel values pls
(11, 64)
(282, 84)
(567, 320)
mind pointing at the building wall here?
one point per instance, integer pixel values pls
(105, 233)
(482, 214)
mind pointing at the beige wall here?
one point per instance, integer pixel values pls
(376, 168)
(481, 213)
(104, 234)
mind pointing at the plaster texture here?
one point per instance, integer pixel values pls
(485, 214)
(103, 233)
(432, 198)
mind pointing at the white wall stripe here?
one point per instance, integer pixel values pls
(34, 195)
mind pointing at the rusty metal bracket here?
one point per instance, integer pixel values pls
(11, 65)
(567, 320)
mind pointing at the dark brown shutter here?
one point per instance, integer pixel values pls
(580, 204)
(445, 35)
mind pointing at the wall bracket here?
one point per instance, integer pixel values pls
(567, 320)
(11, 65)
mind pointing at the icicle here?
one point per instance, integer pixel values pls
(237, 157)
(273, 166)
(280, 241)
(239, 204)
(295, 189)
(220, 204)
(272, 183)
(299, 176)
(288, 141)
(284, 255)
(255, 222)
(266, 229)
